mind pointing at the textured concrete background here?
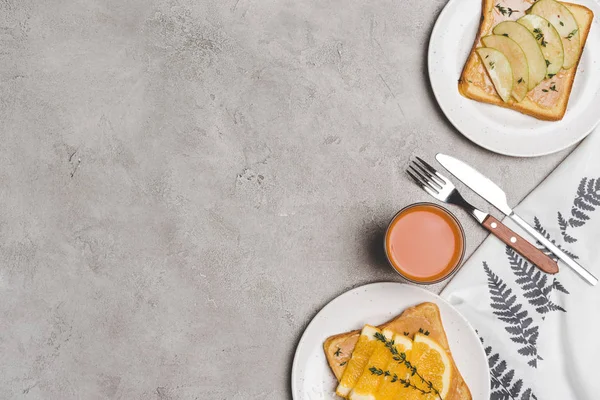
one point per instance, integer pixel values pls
(185, 183)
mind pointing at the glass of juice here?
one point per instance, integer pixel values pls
(425, 243)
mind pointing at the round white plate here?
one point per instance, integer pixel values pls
(377, 303)
(495, 128)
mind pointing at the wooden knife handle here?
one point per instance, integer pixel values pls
(520, 245)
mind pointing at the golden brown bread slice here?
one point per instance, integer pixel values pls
(424, 316)
(540, 102)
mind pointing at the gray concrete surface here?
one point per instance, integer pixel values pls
(185, 183)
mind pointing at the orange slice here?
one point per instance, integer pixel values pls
(392, 388)
(360, 356)
(372, 375)
(433, 364)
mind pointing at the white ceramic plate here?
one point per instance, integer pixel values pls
(377, 303)
(502, 130)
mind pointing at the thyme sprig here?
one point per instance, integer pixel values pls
(400, 357)
(571, 34)
(506, 10)
(404, 382)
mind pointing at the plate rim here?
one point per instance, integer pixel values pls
(472, 138)
(357, 288)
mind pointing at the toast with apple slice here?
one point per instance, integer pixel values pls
(552, 49)
(424, 317)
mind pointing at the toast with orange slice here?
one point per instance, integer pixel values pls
(412, 323)
(498, 48)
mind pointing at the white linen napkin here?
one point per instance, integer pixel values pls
(541, 333)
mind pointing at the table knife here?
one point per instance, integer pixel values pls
(494, 195)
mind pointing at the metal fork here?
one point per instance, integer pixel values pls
(442, 189)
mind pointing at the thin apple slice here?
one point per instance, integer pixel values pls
(548, 39)
(498, 68)
(516, 58)
(566, 26)
(525, 39)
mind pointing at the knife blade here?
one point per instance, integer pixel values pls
(494, 195)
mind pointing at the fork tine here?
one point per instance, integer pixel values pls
(424, 181)
(432, 170)
(431, 192)
(425, 188)
(417, 180)
(431, 178)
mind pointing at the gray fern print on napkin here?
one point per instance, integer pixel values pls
(538, 227)
(519, 324)
(586, 201)
(537, 290)
(504, 387)
(534, 283)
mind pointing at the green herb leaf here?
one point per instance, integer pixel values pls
(376, 371)
(547, 63)
(561, 23)
(545, 90)
(571, 34)
(520, 80)
(338, 352)
(507, 11)
(344, 363)
(539, 35)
